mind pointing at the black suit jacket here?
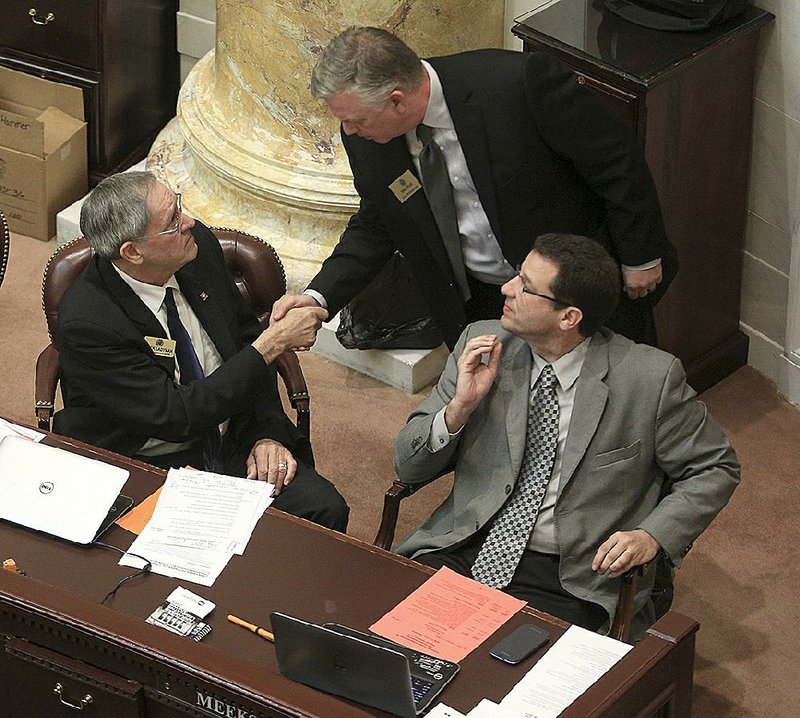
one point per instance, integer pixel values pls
(546, 155)
(117, 393)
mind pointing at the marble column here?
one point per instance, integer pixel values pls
(250, 148)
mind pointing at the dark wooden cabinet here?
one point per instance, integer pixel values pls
(689, 98)
(121, 53)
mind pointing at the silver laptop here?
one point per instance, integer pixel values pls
(364, 668)
(55, 491)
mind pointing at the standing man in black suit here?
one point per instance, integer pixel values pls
(163, 360)
(517, 149)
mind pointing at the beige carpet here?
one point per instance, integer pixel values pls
(741, 580)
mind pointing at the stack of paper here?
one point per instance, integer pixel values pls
(571, 666)
(201, 520)
(448, 616)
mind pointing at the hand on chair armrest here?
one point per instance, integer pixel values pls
(624, 550)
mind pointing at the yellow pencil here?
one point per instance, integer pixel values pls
(263, 632)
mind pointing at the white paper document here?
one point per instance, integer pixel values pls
(574, 662)
(201, 520)
(485, 709)
(440, 710)
(56, 491)
(9, 429)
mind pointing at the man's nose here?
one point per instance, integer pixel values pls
(349, 128)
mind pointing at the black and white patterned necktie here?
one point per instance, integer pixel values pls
(502, 550)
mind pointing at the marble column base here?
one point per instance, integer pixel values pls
(300, 211)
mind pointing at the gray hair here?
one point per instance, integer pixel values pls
(369, 63)
(116, 211)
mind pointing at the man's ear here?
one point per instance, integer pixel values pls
(399, 100)
(131, 252)
(572, 318)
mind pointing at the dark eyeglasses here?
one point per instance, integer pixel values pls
(525, 290)
(176, 222)
(544, 296)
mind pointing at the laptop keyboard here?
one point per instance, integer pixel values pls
(420, 688)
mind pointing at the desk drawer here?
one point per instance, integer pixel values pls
(41, 682)
(64, 30)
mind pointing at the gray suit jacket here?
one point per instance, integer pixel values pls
(641, 452)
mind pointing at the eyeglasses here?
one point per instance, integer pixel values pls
(543, 296)
(176, 222)
(525, 290)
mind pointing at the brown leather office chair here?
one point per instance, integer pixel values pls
(620, 625)
(257, 271)
(5, 242)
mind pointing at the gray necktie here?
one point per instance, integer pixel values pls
(436, 183)
(502, 550)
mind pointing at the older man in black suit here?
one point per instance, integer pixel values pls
(164, 361)
(460, 160)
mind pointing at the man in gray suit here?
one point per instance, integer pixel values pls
(578, 454)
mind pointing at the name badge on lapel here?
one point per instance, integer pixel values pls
(405, 185)
(162, 347)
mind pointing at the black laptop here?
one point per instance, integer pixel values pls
(364, 668)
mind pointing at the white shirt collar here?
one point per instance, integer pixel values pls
(567, 368)
(151, 294)
(436, 115)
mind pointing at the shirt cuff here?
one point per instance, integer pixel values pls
(440, 436)
(316, 295)
(637, 268)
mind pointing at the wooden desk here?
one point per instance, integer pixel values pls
(54, 630)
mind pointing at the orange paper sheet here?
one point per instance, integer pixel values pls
(447, 616)
(136, 519)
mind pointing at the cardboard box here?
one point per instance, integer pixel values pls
(42, 151)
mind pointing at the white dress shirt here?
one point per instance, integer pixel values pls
(210, 359)
(567, 369)
(483, 257)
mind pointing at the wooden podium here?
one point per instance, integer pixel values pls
(688, 96)
(63, 652)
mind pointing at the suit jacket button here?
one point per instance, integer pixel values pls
(477, 525)
(508, 489)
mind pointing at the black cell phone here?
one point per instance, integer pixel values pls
(520, 644)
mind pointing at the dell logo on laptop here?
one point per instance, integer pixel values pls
(46, 487)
